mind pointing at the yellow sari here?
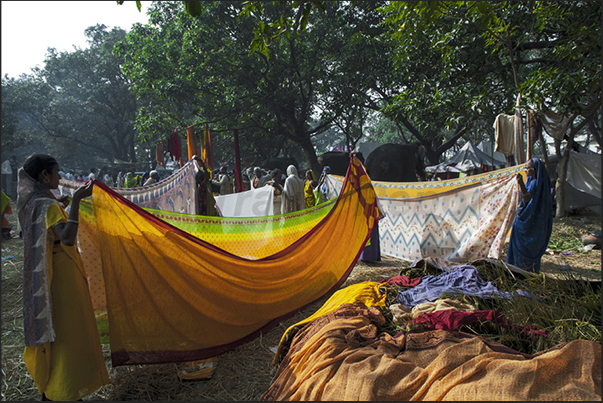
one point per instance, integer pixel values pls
(309, 192)
(72, 366)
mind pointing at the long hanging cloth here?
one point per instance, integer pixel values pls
(159, 154)
(206, 150)
(173, 297)
(533, 225)
(191, 141)
(175, 148)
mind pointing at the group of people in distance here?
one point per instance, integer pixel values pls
(130, 180)
(63, 352)
(296, 193)
(127, 180)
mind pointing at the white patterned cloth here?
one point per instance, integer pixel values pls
(458, 220)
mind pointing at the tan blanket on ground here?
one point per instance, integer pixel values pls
(342, 356)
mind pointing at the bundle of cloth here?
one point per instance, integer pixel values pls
(343, 353)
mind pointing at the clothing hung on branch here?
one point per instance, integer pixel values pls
(504, 133)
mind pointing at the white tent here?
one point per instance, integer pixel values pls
(468, 158)
(583, 183)
(488, 148)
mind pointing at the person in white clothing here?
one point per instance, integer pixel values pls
(223, 182)
(153, 178)
(293, 192)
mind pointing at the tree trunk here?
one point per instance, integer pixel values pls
(545, 152)
(312, 160)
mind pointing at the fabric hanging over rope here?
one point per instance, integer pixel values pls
(555, 124)
(173, 297)
(191, 141)
(458, 220)
(176, 193)
(251, 203)
(520, 149)
(504, 132)
(159, 154)
(175, 148)
(206, 150)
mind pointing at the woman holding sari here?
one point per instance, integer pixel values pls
(309, 197)
(533, 223)
(63, 352)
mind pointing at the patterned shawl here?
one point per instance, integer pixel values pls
(33, 200)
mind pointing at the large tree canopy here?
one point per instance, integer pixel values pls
(79, 101)
(196, 70)
(468, 61)
(291, 76)
(446, 71)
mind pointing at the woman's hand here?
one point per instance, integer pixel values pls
(67, 232)
(83, 191)
(519, 178)
(525, 195)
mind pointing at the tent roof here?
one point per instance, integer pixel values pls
(469, 157)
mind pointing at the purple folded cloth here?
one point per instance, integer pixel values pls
(462, 279)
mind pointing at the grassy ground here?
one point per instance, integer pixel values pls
(246, 372)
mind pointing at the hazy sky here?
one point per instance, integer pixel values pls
(29, 28)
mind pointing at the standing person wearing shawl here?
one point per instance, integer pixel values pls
(308, 190)
(120, 180)
(130, 181)
(533, 223)
(63, 352)
(257, 176)
(293, 192)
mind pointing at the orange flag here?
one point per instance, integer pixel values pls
(191, 139)
(206, 151)
(159, 154)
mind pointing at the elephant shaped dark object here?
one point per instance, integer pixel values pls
(280, 163)
(396, 163)
(338, 161)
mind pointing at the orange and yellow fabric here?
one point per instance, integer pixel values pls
(344, 355)
(172, 296)
(370, 293)
(191, 141)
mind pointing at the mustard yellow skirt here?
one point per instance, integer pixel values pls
(72, 366)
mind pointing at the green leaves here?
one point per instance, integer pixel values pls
(193, 8)
(271, 31)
